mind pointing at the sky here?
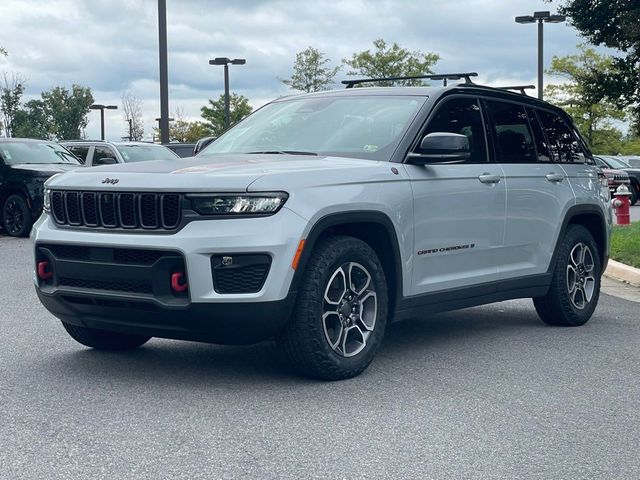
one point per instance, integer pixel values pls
(112, 45)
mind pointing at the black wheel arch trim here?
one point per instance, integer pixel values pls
(576, 211)
(345, 218)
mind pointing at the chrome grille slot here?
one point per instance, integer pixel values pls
(72, 204)
(89, 209)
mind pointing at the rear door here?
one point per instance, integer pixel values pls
(538, 191)
(459, 209)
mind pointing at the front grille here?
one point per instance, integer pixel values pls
(120, 210)
(98, 272)
(246, 273)
(143, 287)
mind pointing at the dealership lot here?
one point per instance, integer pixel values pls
(484, 392)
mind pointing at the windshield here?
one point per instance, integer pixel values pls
(15, 153)
(616, 163)
(367, 127)
(142, 153)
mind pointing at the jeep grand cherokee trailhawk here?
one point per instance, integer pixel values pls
(321, 218)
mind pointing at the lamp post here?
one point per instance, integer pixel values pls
(226, 61)
(164, 73)
(159, 120)
(102, 108)
(541, 18)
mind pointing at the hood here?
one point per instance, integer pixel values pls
(231, 173)
(45, 168)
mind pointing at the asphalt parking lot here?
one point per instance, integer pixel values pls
(487, 392)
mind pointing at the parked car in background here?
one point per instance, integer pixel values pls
(608, 161)
(24, 166)
(94, 153)
(632, 160)
(202, 144)
(183, 150)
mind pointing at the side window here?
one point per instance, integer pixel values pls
(79, 151)
(101, 154)
(514, 140)
(563, 143)
(462, 116)
(542, 148)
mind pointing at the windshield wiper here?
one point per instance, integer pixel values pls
(283, 152)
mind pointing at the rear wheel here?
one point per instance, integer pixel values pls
(634, 188)
(341, 311)
(103, 339)
(16, 217)
(575, 285)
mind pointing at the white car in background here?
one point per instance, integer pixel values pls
(94, 153)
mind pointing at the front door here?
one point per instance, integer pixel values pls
(459, 209)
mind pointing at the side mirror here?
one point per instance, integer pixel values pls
(441, 147)
(105, 161)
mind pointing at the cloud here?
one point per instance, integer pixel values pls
(111, 45)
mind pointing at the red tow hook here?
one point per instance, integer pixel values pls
(178, 282)
(43, 274)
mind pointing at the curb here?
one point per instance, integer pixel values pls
(620, 271)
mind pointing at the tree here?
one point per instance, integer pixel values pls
(310, 73)
(188, 131)
(590, 112)
(132, 112)
(10, 96)
(391, 61)
(213, 113)
(67, 110)
(615, 24)
(32, 121)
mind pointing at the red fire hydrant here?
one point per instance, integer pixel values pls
(621, 204)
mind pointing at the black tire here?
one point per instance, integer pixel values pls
(634, 188)
(104, 340)
(557, 307)
(305, 341)
(16, 216)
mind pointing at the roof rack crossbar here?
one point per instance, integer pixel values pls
(440, 76)
(520, 88)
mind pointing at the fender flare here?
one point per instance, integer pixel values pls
(350, 217)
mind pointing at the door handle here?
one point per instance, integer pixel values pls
(489, 178)
(555, 177)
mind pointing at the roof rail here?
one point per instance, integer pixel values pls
(520, 88)
(81, 140)
(440, 76)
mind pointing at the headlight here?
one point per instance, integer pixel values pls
(238, 204)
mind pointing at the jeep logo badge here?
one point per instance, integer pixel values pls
(111, 181)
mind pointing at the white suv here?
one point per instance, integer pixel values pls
(322, 217)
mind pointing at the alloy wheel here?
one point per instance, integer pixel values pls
(581, 282)
(13, 216)
(350, 309)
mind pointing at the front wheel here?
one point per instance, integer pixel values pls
(575, 285)
(341, 311)
(16, 217)
(103, 339)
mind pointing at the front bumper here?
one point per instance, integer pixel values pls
(201, 313)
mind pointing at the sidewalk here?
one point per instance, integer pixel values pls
(620, 289)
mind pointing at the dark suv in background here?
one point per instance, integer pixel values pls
(610, 162)
(24, 166)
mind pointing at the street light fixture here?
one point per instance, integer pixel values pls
(102, 108)
(226, 61)
(541, 18)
